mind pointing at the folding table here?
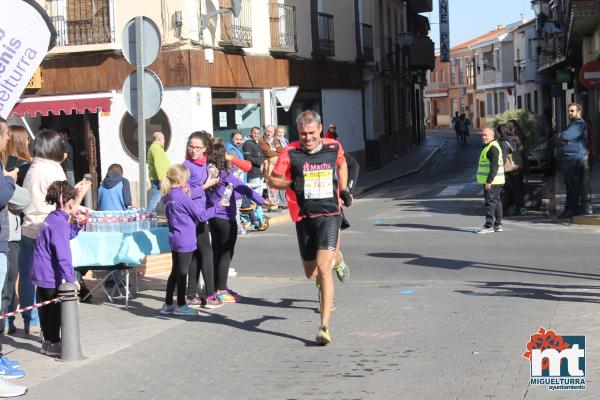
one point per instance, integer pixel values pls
(115, 252)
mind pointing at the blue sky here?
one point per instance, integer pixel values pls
(471, 18)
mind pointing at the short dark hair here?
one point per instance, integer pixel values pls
(49, 145)
(117, 168)
(236, 133)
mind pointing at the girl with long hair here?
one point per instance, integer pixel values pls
(198, 145)
(223, 227)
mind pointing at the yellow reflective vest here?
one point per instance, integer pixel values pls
(484, 165)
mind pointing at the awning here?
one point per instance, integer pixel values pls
(70, 104)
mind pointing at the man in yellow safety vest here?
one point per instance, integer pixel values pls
(490, 174)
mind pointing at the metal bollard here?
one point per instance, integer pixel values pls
(69, 323)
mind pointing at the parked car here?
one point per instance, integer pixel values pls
(541, 156)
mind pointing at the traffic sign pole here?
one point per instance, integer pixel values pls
(139, 49)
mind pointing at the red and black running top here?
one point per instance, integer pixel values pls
(315, 189)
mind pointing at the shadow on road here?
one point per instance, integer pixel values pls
(428, 227)
(572, 293)
(445, 263)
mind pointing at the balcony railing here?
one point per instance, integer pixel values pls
(436, 86)
(237, 31)
(324, 44)
(552, 49)
(367, 42)
(489, 75)
(283, 28)
(82, 27)
(422, 54)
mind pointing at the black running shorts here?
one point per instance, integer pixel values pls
(320, 233)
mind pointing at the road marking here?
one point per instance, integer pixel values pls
(451, 190)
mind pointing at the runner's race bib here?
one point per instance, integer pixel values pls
(318, 184)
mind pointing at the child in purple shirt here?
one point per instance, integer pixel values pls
(51, 262)
(182, 213)
(223, 227)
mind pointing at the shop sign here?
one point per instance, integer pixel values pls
(563, 76)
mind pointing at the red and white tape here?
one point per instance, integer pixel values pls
(36, 305)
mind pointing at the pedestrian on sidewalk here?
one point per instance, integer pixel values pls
(51, 263)
(587, 170)
(8, 179)
(198, 145)
(182, 215)
(512, 193)
(316, 178)
(158, 164)
(490, 174)
(223, 225)
(573, 157)
(271, 147)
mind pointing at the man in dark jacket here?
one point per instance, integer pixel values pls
(573, 156)
(254, 154)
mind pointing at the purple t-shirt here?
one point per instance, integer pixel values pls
(215, 194)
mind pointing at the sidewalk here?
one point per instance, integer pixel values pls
(408, 163)
(595, 218)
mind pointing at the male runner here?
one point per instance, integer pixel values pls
(315, 176)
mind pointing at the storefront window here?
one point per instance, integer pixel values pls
(129, 135)
(236, 111)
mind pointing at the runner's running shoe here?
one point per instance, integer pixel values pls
(341, 270)
(323, 336)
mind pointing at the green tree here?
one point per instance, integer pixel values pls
(530, 126)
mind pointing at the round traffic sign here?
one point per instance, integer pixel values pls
(151, 94)
(589, 75)
(150, 41)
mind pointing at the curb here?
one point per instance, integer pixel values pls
(363, 191)
(585, 220)
(280, 218)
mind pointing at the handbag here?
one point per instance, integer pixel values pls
(509, 164)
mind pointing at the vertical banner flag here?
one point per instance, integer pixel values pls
(444, 32)
(26, 36)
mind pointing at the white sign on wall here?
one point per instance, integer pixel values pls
(444, 31)
(223, 119)
(26, 35)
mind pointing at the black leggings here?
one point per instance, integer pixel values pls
(224, 235)
(202, 261)
(49, 314)
(178, 276)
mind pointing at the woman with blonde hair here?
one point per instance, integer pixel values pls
(182, 213)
